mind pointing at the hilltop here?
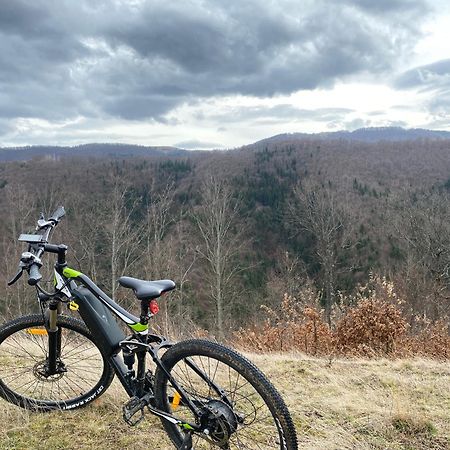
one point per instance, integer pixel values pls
(116, 150)
(96, 150)
(372, 134)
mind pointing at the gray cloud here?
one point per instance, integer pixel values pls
(434, 76)
(389, 6)
(248, 49)
(435, 79)
(139, 60)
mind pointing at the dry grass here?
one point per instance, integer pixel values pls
(365, 404)
(98, 426)
(348, 404)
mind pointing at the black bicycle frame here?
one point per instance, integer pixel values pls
(97, 309)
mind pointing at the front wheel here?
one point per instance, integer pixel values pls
(242, 408)
(82, 373)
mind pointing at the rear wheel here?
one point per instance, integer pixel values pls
(241, 407)
(83, 372)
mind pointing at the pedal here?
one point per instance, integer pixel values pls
(131, 408)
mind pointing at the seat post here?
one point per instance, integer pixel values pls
(144, 312)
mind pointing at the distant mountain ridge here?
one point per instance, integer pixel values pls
(375, 134)
(86, 151)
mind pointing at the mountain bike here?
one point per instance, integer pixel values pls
(206, 395)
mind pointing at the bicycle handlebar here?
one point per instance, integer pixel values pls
(30, 261)
(35, 275)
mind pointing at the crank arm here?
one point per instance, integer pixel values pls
(185, 426)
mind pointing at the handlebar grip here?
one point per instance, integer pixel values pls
(58, 214)
(35, 275)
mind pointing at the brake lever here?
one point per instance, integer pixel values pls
(16, 276)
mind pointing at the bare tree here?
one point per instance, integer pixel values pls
(178, 257)
(21, 218)
(84, 233)
(422, 223)
(287, 277)
(22, 209)
(222, 242)
(168, 255)
(123, 236)
(183, 260)
(159, 219)
(317, 211)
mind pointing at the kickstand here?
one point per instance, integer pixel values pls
(187, 442)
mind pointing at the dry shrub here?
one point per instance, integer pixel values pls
(259, 338)
(371, 323)
(375, 324)
(433, 340)
(294, 327)
(372, 327)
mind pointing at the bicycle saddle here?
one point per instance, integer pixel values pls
(146, 290)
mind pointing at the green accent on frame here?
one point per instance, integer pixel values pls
(71, 273)
(138, 327)
(186, 426)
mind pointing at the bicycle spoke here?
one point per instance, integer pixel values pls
(258, 429)
(28, 353)
(23, 367)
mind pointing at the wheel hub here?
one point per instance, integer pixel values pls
(40, 371)
(222, 422)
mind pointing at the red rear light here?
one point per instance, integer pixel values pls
(154, 307)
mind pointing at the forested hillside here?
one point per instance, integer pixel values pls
(316, 220)
(86, 151)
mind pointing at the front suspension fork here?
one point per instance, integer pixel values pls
(54, 336)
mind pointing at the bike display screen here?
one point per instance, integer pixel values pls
(30, 238)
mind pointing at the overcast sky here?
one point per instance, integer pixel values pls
(218, 73)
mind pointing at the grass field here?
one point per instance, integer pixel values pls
(345, 404)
